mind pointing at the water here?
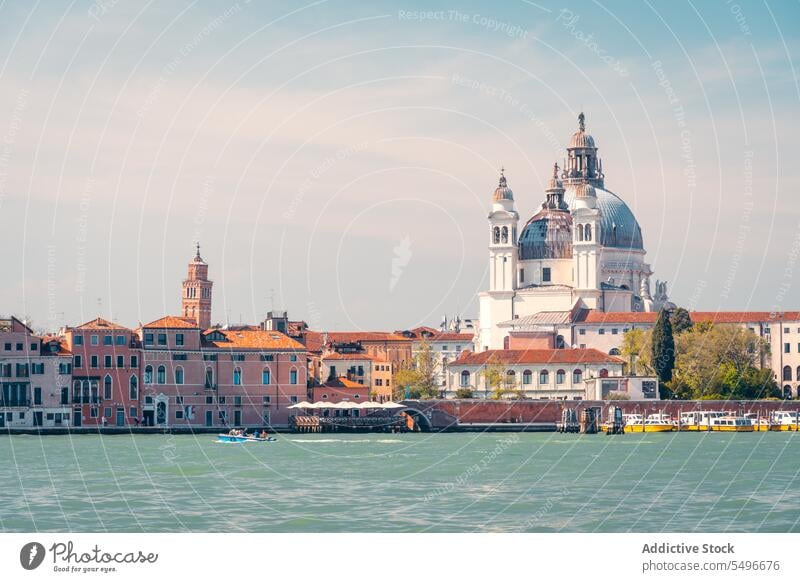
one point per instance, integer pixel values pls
(403, 483)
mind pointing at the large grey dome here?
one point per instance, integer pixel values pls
(618, 227)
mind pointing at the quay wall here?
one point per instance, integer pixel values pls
(549, 411)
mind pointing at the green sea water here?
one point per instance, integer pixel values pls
(709, 482)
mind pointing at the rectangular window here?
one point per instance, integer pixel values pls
(786, 330)
(107, 412)
(93, 412)
(94, 363)
(237, 400)
(134, 361)
(546, 274)
(267, 400)
(77, 340)
(22, 370)
(293, 399)
(134, 412)
(293, 377)
(293, 358)
(210, 357)
(178, 339)
(64, 368)
(34, 347)
(178, 414)
(179, 400)
(581, 332)
(148, 339)
(614, 331)
(78, 362)
(108, 340)
(237, 357)
(37, 395)
(222, 400)
(95, 340)
(267, 357)
(522, 275)
(37, 368)
(19, 347)
(178, 356)
(601, 331)
(121, 340)
(162, 339)
(108, 361)
(120, 361)
(8, 347)
(583, 346)
(786, 348)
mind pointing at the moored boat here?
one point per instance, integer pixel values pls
(238, 438)
(653, 423)
(759, 424)
(698, 420)
(731, 424)
(783, 420)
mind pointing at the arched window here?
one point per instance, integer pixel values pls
(798, 374)
(465, 378)
(544, 377)
(588, 232)
(511, 378)
(787, 392)
(561, 375)
(603, 373)
(161, 375)
(787, 373)
(577, 376)
(504, 234)
(293, 376)
(209, 377)
(527, 377)
(237, 376)
(179, 375)
(148, 374)
(560, 343)
(133, 388)
(613, 352)
(107, 387)
(579, 232)
(496, 234)
(266, 376)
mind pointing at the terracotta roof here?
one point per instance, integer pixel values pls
(63, 349)
(365, 336)
(508, 357)
(352, 356)
(101, 323)
(594, 316)
(342, 382)
(313, 341)
(248, 339)
(173, 322)
(744, 316)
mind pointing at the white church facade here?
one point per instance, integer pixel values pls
(583, 250)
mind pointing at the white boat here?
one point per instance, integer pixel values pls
(234, 438)
(784, 420)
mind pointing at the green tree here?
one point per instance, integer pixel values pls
(420, 377)
(636, 349)
(494, 376)
(680, 320)
(464, 393)
(663, 351)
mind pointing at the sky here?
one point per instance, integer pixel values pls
(337, 159)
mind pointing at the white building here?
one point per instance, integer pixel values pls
(583, 249)
(537, 373)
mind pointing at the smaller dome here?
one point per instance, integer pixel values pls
(581, 139)
(585, 190)
(554, 183)
(503, 192)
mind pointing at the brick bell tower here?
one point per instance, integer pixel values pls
(196, 298)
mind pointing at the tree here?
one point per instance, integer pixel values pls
(663, 349)
(721, 362)
(637, 350)
(464, 393)
(494, 375)
(680, 320)
(419, 379)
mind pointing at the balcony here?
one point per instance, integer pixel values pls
(210, 386)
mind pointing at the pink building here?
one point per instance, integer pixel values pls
(219, 377)
(105, 374)
(34, 376)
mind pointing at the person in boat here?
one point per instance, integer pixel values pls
(263, 434)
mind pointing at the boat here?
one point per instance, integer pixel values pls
(782, 420)
(759, 424)
(699, 420)
(653, 423)
(731, 424)
(236, 438)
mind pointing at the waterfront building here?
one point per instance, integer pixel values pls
(105, 374)
(583, 247)
(445, 345)
(390, 346)
(219, 377)
(361, 367)
(35, 376)
(340, 389)
(553, 374)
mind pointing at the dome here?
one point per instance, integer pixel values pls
(581, 139)
(618, 226)
(503, 192)
(548, 235)
(584, 190)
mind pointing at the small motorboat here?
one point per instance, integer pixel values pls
(239, 438)
(782, 420)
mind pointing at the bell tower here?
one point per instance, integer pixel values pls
(503, 239)
(196, 298)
